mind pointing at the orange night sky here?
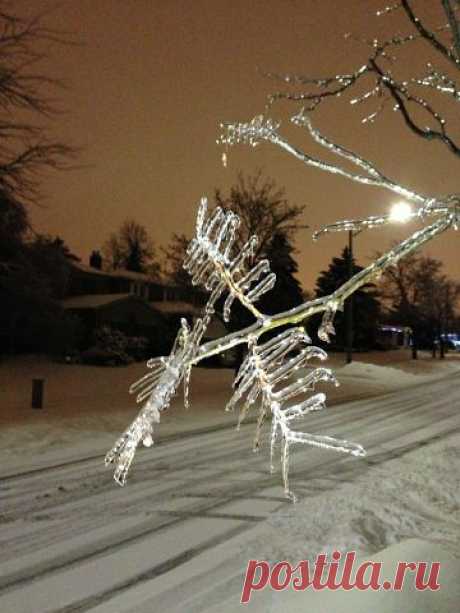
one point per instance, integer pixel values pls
(152, 79)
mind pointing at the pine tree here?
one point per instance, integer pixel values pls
(366, 307)
(287, 292)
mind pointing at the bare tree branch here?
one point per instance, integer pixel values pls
(25, 149)
(454, 23)
(403, 92)
(323, 304)
(399, 93)
(428, 35)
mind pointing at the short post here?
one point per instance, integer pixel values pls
(37, 393)
(349, 303)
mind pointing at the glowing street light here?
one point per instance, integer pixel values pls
(401, 212)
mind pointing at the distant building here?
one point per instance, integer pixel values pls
(392, 335)
(85, 280)
(131, 302)
(126, 312)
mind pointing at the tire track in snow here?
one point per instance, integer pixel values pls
(242, 492)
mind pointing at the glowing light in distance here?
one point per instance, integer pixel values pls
(401, 212)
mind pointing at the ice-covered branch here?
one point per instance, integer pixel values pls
(438, 81)
(271, 373)
(430, 208)
(267, 364)
(402, 96)
(429, 35)
(312, 91)
(211, 261)
(336, 299)
(268, 375)
(254, 132)
(156, 389)
(454, 24)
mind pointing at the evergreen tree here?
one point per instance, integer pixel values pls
(32, 282)
(287, 292)
(366, 306)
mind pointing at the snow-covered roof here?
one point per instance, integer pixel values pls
(119, 273)
(93, 301)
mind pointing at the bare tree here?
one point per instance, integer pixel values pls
(26, 107)
(30, 270)
(419, 295)
(131, 248)
(263, 210)
(438, 303)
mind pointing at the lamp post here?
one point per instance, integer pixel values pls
(400, 212)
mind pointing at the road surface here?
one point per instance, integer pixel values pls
(73, 541)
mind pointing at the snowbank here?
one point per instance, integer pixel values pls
(409, 600)
(406, 509)
(405, 374)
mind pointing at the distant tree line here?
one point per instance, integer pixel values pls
(420, 295)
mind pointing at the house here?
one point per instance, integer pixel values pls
(127, 312)
(175, 310)
(133, 303)
(88, 280)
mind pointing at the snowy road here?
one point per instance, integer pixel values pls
(171, 540)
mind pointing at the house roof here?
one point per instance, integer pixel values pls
(94, 301)
(120, 273)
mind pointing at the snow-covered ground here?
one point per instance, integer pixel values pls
(178, 537)
(412, 497)
(86, 407)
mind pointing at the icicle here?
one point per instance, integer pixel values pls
(261, 374)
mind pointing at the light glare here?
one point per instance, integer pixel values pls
(401, 212)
